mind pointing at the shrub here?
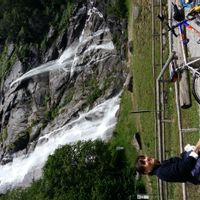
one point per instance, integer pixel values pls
(83, 171)
(87, 170)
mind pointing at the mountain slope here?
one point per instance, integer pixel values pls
(48, 78)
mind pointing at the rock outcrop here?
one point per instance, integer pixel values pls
(40, 103)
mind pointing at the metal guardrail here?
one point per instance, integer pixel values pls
(160, 120)
(157, 7)
(160, 131)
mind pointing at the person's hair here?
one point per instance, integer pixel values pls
(139, 164)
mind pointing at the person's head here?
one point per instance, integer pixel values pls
(145, 164)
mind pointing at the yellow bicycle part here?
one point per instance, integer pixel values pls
(195, 9)
(193, 12)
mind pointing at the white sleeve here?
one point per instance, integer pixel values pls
(194, 155)
(189, 147)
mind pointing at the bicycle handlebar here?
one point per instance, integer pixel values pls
(171, 28)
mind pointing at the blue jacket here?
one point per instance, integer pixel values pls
(178, 169)
(196, 171)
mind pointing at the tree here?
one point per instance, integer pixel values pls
(32, 16)
(87, 170)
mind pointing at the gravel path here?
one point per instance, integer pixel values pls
(193, 47)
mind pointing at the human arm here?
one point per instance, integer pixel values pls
(197, 147)
(176, 169)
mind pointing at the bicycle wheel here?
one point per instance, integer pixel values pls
(196, 87)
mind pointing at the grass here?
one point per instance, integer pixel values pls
(143, 99)
(143, 95)
(143, 82)
(125, 129)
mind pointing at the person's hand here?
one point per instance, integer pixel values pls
(197, 147)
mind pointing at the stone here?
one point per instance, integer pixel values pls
(137, 143)
(11, 48)
(136, 12)
(129, 82)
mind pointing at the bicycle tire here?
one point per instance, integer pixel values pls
(196, 87)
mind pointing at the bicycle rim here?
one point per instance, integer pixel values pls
(196, 87)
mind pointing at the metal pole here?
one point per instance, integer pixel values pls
(183, 47)
(161, 64)
(162, 97)
(159, 122)
(180, 133)
(170, 37)
(154, 78)
(170, 58)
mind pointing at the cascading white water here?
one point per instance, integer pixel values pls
(97, 123)
(68, 61)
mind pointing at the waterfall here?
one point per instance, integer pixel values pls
(97, 123)
(70, 60)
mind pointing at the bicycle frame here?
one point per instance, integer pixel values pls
(175, 70)
(187, 25)
(187, 66)
(184, 41)
(182, 35)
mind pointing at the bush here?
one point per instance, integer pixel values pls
(87, 171)
(28, 21)
(117, 8)
(83, 171)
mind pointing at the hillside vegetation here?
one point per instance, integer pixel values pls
(26, 21)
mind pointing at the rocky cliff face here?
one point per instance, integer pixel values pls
(84, 67)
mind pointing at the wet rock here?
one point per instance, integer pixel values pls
(61, 41)
(35, 132)
(77, 24)
(11, 48)
(50, 33)
(6, 159)
(51, 54)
